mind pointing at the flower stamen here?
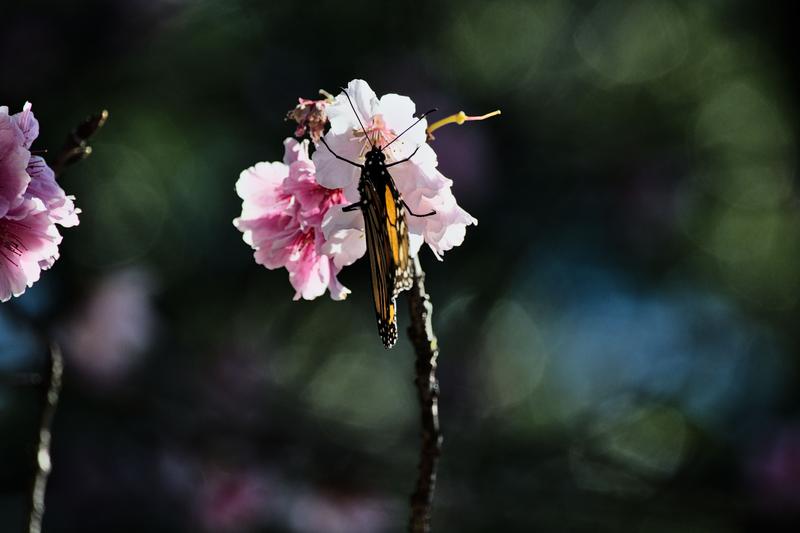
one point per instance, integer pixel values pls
(459, 118)
(378, 132)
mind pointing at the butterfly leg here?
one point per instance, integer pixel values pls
(352, 207)
(414, 214)
(403, 160)
(337, 156)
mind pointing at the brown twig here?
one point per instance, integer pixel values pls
(77, 146)
(75, 149)
(43, 448)
(427, 350)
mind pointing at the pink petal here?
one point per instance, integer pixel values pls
(28, 124)
(398, 112)
(447, 227)
(295, 151)
(14, 159)
(259, 187)
(337, 290)
(26, 247)
(43, 186)
(341, 115)
(309, 272)
(334, 173)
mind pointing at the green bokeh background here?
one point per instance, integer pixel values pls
(618, 334)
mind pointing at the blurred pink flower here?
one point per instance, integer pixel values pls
(421, 185)
(317, 512)
(776, 471)
(114, 328)
(282, 214)
(31, 203)
(232, 501)
(255, 497)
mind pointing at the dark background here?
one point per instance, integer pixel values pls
(619, 334)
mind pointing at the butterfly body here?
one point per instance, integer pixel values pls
(386, 232)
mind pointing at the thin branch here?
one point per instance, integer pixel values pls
(43, 449)
(427, 350)
(75, 149)
(77, 146)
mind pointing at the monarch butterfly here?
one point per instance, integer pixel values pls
(386, 230)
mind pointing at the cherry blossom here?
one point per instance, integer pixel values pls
(110, 333)
(292, 212)
(28, 244)
(282, 213)
(14, 157)
(421, 185)
(31, 204)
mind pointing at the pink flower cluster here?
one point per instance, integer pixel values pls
(292, 211)
(31, 205)
(282, 212)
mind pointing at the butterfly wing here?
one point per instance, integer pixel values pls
(387, 248)
(397, 232)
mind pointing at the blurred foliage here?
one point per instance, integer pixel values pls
(619, 346)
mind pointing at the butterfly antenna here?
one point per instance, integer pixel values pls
(358, 118)
(425, 114)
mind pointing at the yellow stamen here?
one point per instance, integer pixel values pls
(328, 96)
(459, 118)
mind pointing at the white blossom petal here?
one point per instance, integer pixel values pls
(334, 173)
(398, 113)
(344, 235)
(338, 291)
(415, 242)
(447, 227)
(341, 114)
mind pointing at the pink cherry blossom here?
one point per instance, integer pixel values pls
(14, 157)
(31, 204)
(28, 244)
(44, 188)
(419, 182)
(292, 212)
(282, 213)
(231, 499)
(775, 470)
(110, 333)
(27, 124)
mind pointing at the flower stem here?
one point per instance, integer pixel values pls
(75, 149)
(77, 146)
(43, 448)
(427, 351)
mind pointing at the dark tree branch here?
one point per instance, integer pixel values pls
(77, 146)
(43, 448)
(75, 149)
(427, 350)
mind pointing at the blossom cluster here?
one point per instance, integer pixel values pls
(32, 205)
(292, 210)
